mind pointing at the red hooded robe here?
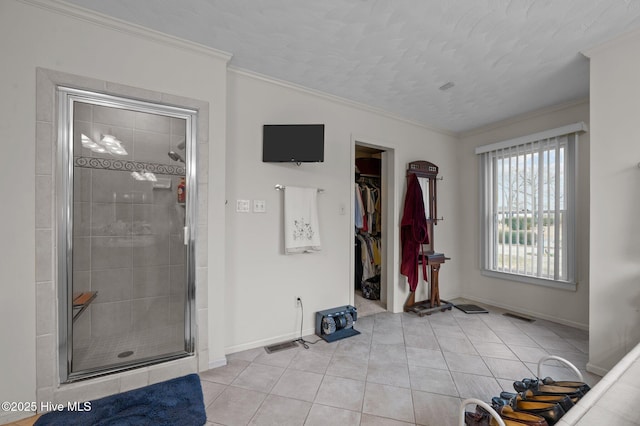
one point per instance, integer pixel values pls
(413, 232)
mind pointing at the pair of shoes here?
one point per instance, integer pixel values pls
(584, 388)
(510, 418)
(530, 395)
(546, 389)
(550, 411)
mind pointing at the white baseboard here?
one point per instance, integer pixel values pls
(596, 370)
(540, 315)
(269, 341)
(220, 362)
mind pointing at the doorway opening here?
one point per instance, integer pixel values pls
(371, 214)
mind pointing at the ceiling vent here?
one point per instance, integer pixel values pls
(446, 86)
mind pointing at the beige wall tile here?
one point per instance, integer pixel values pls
(109, 186)
(45, 308)
(134, 379)
(151, 281)
(150, 250)
(151, 147)
(45, 361)
(44, 255)
(112, 318)
(112, 285)
(88, 390)
(172, 369)
(111, 252)
(43, 201)
(152, 123)
(113, 116)
(133, 92)
(150, 312)
(44, 148)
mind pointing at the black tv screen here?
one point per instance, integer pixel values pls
(295, 143)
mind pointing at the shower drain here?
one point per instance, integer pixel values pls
(125, 354)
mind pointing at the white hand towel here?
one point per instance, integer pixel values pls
(301, 232)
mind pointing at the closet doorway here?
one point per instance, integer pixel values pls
(369, 285)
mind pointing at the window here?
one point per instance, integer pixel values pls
(528, 207)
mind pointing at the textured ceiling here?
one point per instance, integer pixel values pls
(506, 57)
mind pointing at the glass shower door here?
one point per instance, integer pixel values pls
(129, 281)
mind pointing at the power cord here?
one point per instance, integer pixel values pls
(304, 343)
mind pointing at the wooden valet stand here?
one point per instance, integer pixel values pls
(427, 174)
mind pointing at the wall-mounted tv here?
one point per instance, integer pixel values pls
(293, 143)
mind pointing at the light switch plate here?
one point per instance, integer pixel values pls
(243, 206)
(259, 206)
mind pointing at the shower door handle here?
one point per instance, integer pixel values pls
(186, 235)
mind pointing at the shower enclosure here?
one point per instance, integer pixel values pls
(125, 220)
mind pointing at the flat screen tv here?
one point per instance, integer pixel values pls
(293, 143)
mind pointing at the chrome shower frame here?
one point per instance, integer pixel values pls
(66, 97)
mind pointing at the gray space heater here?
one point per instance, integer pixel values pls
(337, 323)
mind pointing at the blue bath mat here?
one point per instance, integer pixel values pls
(174, 402)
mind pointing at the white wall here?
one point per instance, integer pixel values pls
(252, 285)
(569, 307)
(615, 202)
(33, 36)
(262, 282)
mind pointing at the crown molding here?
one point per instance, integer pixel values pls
(611, 43)
(334, 98)
(82, 14)
(523, 117)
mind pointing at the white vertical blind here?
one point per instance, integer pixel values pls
(528, 206)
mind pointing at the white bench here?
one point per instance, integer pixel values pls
(614, 400)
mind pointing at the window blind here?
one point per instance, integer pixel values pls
(528, 205)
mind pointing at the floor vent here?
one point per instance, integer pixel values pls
(280, 347)
(517, 316)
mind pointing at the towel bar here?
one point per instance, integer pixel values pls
(282, 187)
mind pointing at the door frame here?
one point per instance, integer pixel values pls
(66, 97)
(390, 247)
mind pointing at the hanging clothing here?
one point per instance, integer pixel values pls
(367, 206)
(301, 233)
(369, 268)
(367, 263)
(371, 210)
(367, 240)
(377, 258)
(378, 208)
(413, 233)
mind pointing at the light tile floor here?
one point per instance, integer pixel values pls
(402, 369)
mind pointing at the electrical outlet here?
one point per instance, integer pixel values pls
(297, 301)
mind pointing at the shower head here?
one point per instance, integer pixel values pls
(175, 156)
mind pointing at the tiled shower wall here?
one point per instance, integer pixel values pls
(128, 239)
(48, 386)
